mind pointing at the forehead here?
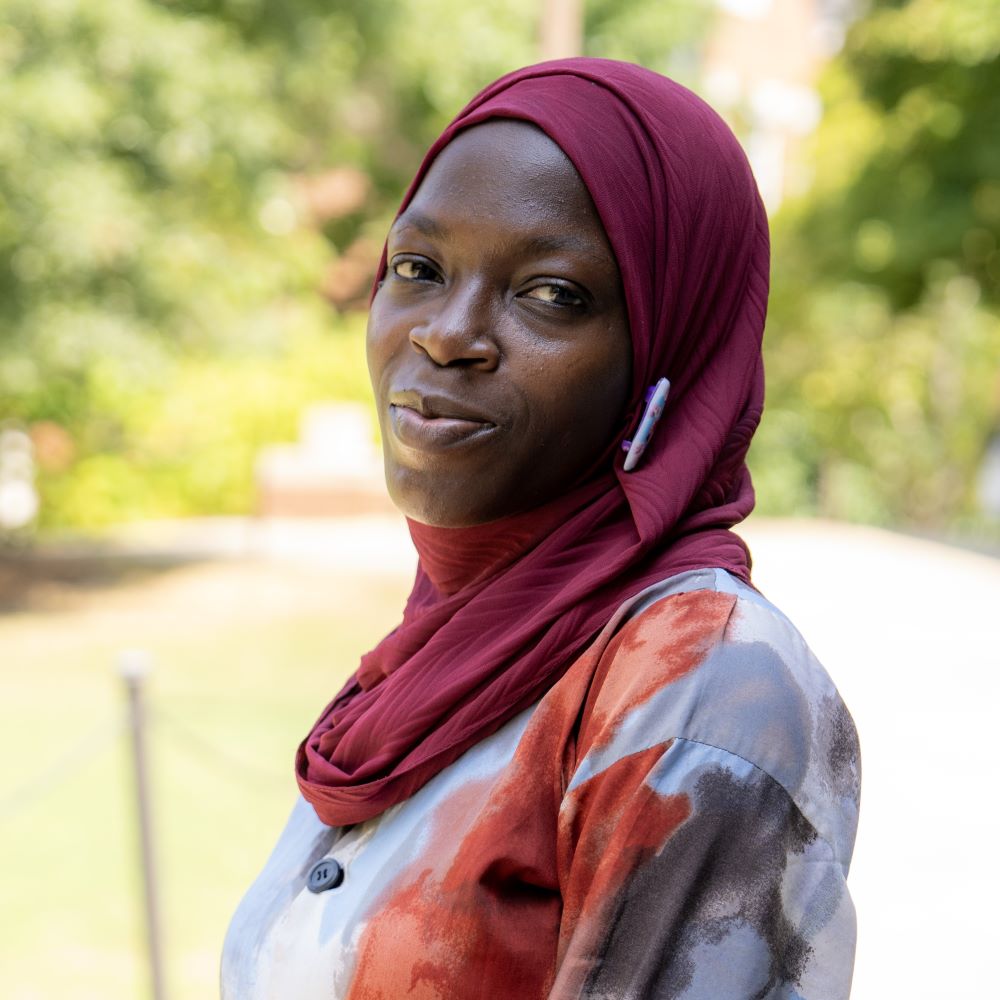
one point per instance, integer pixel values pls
(508, 174)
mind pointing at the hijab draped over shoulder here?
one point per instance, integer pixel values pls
(498, 612)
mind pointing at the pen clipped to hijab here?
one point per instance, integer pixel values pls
(656, 396)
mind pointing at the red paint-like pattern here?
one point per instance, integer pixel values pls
(517, 876)
(618, 842)
(480, 905)
(615, 822)
(694, 622)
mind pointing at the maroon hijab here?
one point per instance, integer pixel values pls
(498, 612)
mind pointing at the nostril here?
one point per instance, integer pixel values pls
(454, 349)
(482, 359)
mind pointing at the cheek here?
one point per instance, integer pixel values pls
(603, 378)
(378, 343)
(586, 405)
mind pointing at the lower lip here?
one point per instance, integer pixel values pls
(433, 433)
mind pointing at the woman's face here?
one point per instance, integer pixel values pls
(498, 343)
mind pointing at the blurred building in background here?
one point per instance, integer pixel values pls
(761, 62)
(333, 470)
(18, 497)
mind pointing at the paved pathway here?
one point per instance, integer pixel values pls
(909, 631)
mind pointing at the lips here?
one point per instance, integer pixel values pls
(431, 422)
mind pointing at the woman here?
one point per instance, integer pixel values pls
(592, 761)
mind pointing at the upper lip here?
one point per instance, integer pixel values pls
(431, 405)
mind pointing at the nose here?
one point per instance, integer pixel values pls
(458, 330)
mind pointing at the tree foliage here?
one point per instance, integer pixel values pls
(160, 235)
(884, 337)
(155, 210)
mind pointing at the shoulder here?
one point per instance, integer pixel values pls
(704, 664)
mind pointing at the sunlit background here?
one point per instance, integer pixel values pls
(193, 195)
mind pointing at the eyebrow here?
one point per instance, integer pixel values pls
(535, 245)
(558, 243)
(422, 223)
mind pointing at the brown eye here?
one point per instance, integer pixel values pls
(414, 270)
(557, 295)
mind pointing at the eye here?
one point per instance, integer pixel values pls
(414, 270)
(556, 295)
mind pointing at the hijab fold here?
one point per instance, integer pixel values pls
(498, 612)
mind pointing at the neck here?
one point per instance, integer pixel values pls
(454, 558)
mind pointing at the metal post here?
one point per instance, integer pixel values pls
(133, 667)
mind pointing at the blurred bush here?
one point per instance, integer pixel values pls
(182, 179)
(883, 344)
(191, 449)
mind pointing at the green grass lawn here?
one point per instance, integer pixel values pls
(245, 658)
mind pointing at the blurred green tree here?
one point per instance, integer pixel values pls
(179, 180)
(883, 342)
(143, 218)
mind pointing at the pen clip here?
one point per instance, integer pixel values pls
(656, 396)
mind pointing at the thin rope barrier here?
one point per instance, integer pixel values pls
(80, 754)
(63, 769)
(234, 766)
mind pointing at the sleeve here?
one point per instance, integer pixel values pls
(692, 875)
(708, 815)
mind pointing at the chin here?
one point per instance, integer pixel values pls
(437, 508)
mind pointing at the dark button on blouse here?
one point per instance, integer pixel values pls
(325, 874)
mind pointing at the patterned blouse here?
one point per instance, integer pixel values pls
(674, 819)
